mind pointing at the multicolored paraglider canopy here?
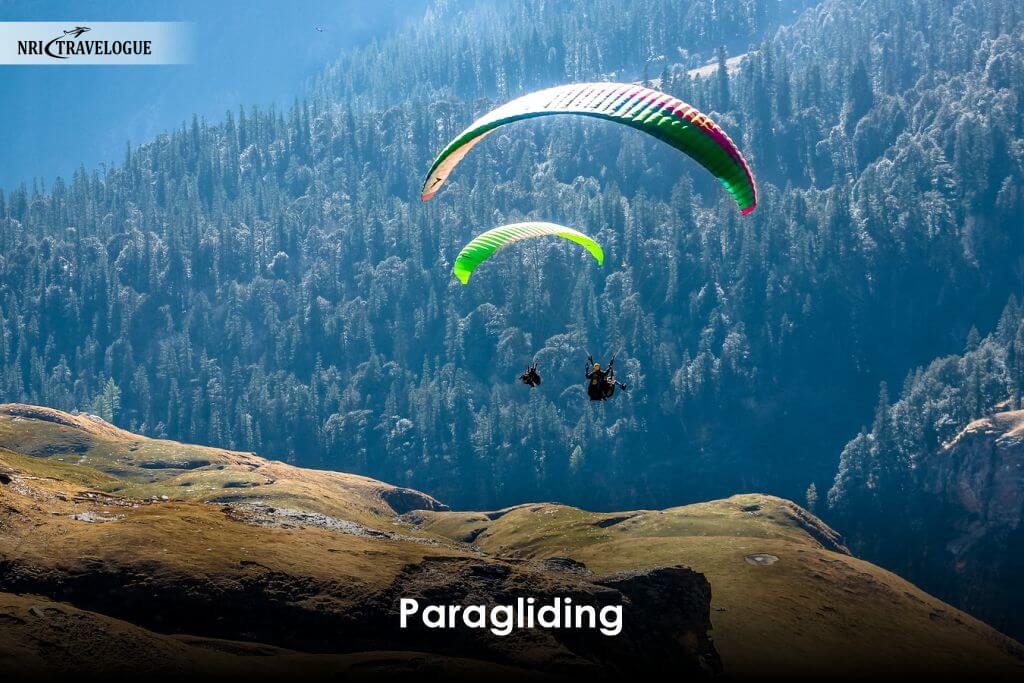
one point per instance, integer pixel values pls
(660, 115)
(487, 244)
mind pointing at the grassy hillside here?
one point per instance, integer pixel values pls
(814, 609)
(142, 539)
(149, 538)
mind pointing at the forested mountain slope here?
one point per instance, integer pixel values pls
(469, 49)
(934, 490)
(271, 282)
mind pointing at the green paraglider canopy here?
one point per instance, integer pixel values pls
(487, 244)
(655, 113)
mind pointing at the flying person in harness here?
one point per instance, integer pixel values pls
(601, 383)
(531, 377)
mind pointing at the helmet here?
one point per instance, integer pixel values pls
(597, 366)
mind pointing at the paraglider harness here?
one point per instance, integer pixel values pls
(602, 383)
(531, 377)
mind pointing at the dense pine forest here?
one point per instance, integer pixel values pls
(271, 281)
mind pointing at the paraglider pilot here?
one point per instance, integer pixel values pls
(601, 383)
(531, 377)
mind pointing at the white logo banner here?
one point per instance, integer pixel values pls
(97, 42)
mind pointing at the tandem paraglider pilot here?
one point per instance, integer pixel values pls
(601, 383)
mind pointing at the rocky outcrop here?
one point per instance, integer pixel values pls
(673, 632)
(972, 539)
(653, 638)
(403, 500)
(980, 477)
(260, 605)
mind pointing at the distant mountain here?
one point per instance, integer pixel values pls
(111, 541)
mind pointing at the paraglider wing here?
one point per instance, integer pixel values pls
(660, 115)
(487, 244)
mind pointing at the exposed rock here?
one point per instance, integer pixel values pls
(973, 540)
(290, 611)
(94, 517)
(265, 515)
(663, 640)
(403, 500)
(653, 640)
(981, 474)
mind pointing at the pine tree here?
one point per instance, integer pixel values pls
(811, 496)
(722, 80)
